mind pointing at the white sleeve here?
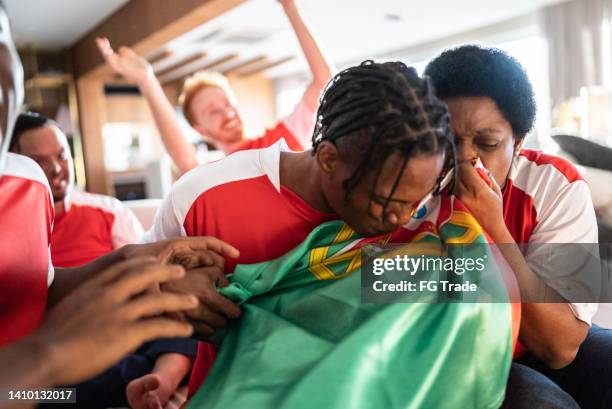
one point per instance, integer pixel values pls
(166, 224)
(574, 271)
(301, 123)
(126, 227)
(50, 271)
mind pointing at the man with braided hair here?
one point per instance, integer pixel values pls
(379, 147)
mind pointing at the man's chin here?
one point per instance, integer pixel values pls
(370, 231)
(233, 138)
(382, 230)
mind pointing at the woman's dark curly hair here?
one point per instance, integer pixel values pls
(471, 70)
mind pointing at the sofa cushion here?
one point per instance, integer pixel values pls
(586, 152)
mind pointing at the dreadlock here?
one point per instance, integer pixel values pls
(380, 109)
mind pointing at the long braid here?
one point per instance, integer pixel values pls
(384, 108)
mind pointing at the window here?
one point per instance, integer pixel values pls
(530, 49)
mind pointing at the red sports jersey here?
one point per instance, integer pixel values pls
(240, 200)
(296, 129)
(91, 226)
(26, 219)
(270, 138)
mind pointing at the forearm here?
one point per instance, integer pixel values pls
(549, 330)
(321, 71)
(319, 66)
(67, 279)
(26, 364)
(530, 285)
(180, 150)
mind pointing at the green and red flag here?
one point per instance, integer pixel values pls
(306, 339)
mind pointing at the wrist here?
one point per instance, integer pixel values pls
(289, 5)
(148, 84)
(47, 358)
(499, 233)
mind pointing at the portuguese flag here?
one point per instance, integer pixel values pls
(305, 339)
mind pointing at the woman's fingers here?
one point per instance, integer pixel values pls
(495, 187)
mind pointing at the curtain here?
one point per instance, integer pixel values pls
(579, 38)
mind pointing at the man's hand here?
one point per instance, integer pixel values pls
(484, 202)
(190, 252)
(202, 258)
(126, 63)
(214, 309)
(110, 316)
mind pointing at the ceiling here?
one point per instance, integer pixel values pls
(56, 24)
(257, 35)
(347, 30)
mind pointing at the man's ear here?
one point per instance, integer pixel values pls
(327, 157)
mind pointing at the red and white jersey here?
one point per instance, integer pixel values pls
(547, 201)
(26, 220)
(296, 129)
(239, 200)
(91, 226)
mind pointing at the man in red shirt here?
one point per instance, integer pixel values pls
(209, 104)
(87, 328)
(378, 149)
(86, 225)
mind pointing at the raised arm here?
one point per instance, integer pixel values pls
(136, 69)
(319, 67)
